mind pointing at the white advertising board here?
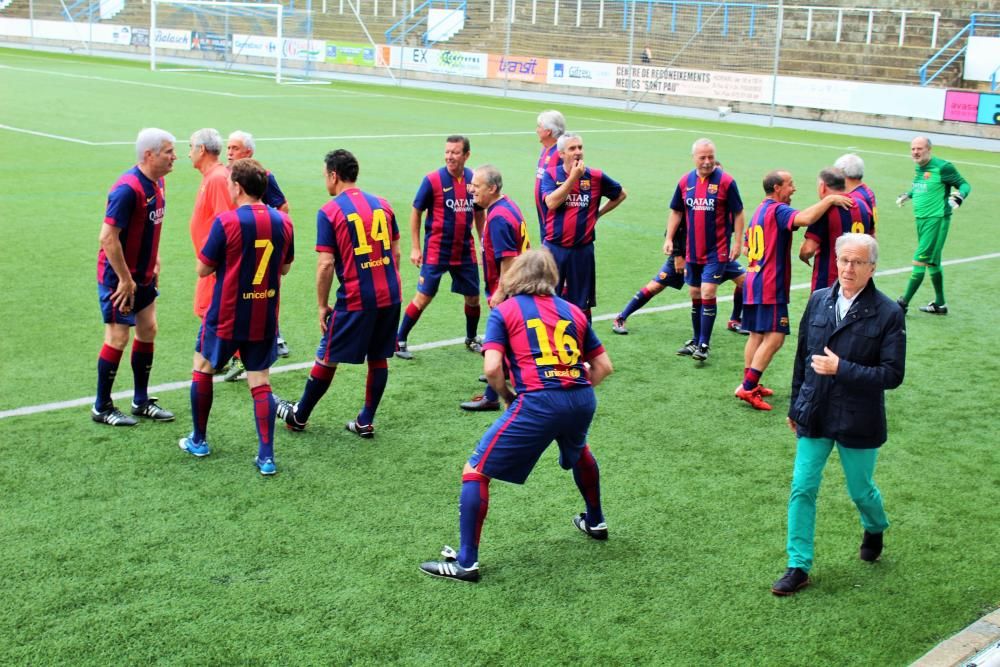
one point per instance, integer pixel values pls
(982, 59)
(694, 83)
(582, 74)
(260, 46)
(871, 98)
(98, 33)
(437, 61)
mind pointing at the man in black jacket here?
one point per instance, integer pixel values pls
(852, 347)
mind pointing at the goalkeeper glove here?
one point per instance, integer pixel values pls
(901, 199)
(955, 200)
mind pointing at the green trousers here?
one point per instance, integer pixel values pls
(810, 459)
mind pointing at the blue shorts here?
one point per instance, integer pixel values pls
(354, 335)
(669, 276)
(577, 274)
(766, 318)
(144, 295)
(714, 272)
(464, 279)
(255, 355)
(512, 445)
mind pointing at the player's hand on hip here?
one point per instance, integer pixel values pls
(324, 317)
(123, 298)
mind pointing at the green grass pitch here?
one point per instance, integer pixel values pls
(119, 549)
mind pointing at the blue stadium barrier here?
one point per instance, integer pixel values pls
(984, 22)
(396, 34)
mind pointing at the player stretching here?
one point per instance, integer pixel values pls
(547, 344)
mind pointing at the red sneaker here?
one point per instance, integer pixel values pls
(753, 397)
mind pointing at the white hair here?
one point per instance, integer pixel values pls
(862, 240)
(702, 142)
(553, 121)
(564, 139)
(208, 138)
(852, 165)
(151, 139)
(243, 137)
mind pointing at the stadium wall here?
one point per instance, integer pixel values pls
(960, 112)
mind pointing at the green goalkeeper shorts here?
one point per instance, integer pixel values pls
(931, 234)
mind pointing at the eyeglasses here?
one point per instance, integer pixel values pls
(853, 263)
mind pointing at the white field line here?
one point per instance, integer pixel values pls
(185, 384)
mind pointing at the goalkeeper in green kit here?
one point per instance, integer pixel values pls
(937, 190)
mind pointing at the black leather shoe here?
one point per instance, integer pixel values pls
(481, 404)
(795, 580)
(871, 547)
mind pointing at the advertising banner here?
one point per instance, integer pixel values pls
(694, 83)
(518, 68)
(211, 41)
(989, 109)
(873, 98)
(361, 55)
(982, 58)
(436, 61)
(581, 73)
(166, 38)
(258, 46)
(140, 37)
(961, 105)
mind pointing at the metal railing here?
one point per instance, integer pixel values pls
(975, 20)
(398, 31)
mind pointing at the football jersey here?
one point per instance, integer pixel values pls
(504, 235)
(545, 341)
(825, 231)
(358, 229)
(865, 194)
(573, 223)
(247, 247)
(709, 206)
(449, 222)
(548, 159)
(273, 196)
(769, 251)
(135, 206)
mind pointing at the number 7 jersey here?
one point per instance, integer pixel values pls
(545, 341)
(358, 229)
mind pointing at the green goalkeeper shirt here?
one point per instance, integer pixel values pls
(932, 184)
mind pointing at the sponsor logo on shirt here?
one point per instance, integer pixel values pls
(446, 190)
(700, 203)
(266, 294)
(578, 200)
(381, 261)
(563, 373)
(460, 205)
(712, 188)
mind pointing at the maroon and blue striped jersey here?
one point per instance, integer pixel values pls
(358, 230)
(548, 159)
(545, 341)
(865, 194)
(504, 235)
(769, 251)
(247, 247)
(825, 231)
(273, 196)
(573, 223)
(135, 206)
(449, 223)
(709, 206)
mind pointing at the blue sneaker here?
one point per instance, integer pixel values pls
(265, 466)
(198, 449)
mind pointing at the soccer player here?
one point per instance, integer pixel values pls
(707, 202)
(445, 195)
(241, 145)
(358, 238)
(854, 174)
(937, 190)
(249, 249)
(128, 264)
(769, 277)
(821, 236)
(505, 236)
(555, 360)
(572, 193)
(212, 200)
(550, 126)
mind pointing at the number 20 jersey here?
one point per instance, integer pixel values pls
(358, 229)
(545, 340)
